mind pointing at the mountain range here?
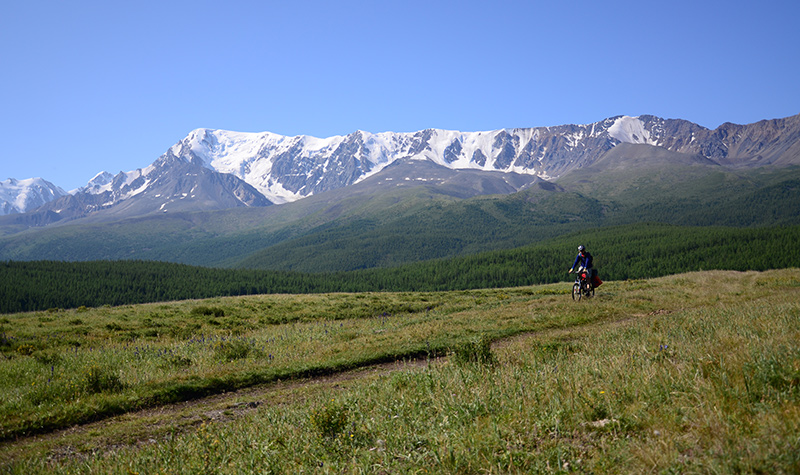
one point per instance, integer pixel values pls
(217, 169)
(304, 190)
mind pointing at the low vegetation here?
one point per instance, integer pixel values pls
(696, 373)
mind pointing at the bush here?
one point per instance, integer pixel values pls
(47, 357)
(233, 349)
(476, 351)
(175, 361)
(100, 379)
(330, 420)
(208, 311)
(25, 350)
(774, 375)
(114, 327)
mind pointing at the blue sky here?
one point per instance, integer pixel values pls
(87, 86)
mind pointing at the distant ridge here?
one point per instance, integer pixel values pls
(217, 169)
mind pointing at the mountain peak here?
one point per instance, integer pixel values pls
(21, 196)
(628, 129)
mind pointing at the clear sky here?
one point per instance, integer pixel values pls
(88, 86)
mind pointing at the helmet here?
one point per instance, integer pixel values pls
(581, 248)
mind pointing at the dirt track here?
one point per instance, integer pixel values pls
(154, 424)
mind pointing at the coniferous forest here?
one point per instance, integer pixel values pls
(621, 252)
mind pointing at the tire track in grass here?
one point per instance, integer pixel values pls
(156, 424)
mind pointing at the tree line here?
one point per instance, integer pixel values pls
(621, 252)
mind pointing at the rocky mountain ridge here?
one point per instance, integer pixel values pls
(216, 169)
(289, 168)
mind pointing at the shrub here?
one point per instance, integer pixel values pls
(99, 379)
(233, 349)
(330, 420)
(773, 375)
(475, 351)
(175, 361)
(47, 357)
(208, 311)
(185, 332)
(49, 394)
(114, 327)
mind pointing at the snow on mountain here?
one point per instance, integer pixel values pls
(96, 185)
(630, 130)
(218, 169)
(170, 184)
(21, 196)
(241, 154)
(285, 169)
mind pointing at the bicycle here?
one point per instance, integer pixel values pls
(583, 286)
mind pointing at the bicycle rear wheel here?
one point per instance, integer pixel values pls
(588, 290)
(576, 291)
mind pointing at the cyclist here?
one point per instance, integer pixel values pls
(584, 259)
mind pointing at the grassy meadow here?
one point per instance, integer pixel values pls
(692, 373)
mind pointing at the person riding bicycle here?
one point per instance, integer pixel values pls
(584, 259)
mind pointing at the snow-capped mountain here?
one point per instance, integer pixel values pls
(170, 184)
(218, 169)
(289, 168)
(96, 184)
(21, 196)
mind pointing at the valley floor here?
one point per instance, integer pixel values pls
(696, 372)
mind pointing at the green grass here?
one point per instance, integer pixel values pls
(155, 354)
(693, 373)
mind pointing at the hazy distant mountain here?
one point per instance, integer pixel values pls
(21, 196)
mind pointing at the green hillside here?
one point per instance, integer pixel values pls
(440, 229)
(693, 197)
(371, 226)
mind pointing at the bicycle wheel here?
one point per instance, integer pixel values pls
(588, 291)
(576, 292)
